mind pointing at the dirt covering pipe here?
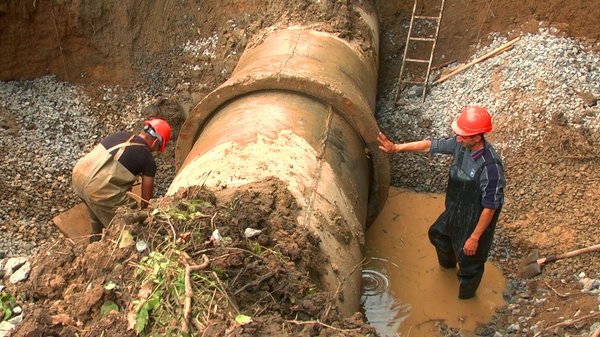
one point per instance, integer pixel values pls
(299, 106)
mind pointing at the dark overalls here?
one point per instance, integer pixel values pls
(456, 224)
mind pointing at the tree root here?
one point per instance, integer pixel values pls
(189, 293)
(568, 323)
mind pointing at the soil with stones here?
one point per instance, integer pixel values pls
(171, 54)
(266, 276)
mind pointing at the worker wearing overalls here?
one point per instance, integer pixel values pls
(464, 232)
(103, 177)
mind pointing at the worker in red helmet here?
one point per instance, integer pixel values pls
(464, 232)
(103, 177)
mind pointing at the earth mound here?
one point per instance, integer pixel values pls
(232, 264)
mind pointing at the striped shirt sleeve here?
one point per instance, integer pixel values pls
(492, 183)
(443, 145)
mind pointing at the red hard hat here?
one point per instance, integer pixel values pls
(161, 129)
(472, 120)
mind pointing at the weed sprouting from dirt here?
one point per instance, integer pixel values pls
(193, 265)
(7, 304)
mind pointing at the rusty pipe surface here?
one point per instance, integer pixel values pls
(299, 106)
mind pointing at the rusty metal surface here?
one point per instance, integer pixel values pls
(265, 114)
(300, 107)
(309, 146)
(314, 64)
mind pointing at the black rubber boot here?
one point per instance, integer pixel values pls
(445, 259)
(465, 294)
(442, 243)
(470, 273)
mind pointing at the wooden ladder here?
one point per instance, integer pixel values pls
(410, 38)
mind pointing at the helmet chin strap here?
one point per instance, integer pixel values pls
(157, 137)
(153, 145)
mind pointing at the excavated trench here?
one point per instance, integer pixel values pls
(297, 104)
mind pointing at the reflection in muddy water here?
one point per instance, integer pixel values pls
(405, 292)
(374, 283)
(381, 308)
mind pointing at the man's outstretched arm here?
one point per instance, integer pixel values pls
(388, 146)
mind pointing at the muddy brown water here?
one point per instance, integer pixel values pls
(405, 292)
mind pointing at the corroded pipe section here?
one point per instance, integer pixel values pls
(299, 106)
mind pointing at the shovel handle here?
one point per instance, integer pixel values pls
(577, 252)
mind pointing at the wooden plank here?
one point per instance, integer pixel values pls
(74, 222)
(494, 52)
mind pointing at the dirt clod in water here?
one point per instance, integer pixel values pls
(237, 286)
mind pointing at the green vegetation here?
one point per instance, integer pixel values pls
(160, 307)
(7, 304)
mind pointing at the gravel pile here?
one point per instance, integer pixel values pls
(46, 127)
(543, 96)
(543, 77)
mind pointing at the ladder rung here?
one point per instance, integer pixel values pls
(416, 60)
(427, 17)
(413, 82)
(409, 38)
(422, 39)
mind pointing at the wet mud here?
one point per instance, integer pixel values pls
(417, 297)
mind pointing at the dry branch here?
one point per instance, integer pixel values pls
(568, 322)
(565, 295)
(556, 291)
(440, 320)
(597, 332)
(339, 289)
(321, 324)
(189, 293)
(462, 68)
(439, 66)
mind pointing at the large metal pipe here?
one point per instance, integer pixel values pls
(299, 106)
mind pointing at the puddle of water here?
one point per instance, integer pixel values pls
(418, 293)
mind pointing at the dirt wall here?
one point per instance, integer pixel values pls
(466, 24)
(114, 41)
(111, 41)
